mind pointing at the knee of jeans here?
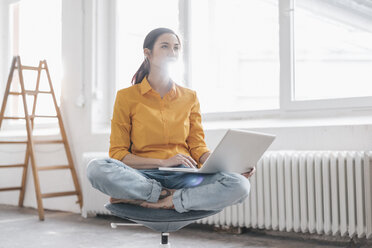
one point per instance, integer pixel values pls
(241, 185)
(93, 170)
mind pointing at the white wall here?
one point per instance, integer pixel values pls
(325, 133)
(76, 119)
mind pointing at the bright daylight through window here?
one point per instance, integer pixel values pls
(235, 62)
(134, 22)
(233, 51)
(232, 58)
(36, 35)
(333, 49)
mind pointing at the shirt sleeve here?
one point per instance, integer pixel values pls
(120, 129)
(195, 140)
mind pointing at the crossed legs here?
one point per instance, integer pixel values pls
(187, 191)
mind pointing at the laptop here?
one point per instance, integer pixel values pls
(238, 151)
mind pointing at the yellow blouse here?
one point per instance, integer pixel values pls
(149, 126)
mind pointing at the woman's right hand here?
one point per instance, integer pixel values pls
(180, 159)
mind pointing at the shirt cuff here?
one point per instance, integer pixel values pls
(197, 153)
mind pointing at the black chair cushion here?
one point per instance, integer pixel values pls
(134, 212)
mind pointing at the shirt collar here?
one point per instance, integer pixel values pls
(146, 87)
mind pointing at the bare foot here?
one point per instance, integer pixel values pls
(164, 202)
(135, 202)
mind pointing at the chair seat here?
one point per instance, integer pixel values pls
(161, 220)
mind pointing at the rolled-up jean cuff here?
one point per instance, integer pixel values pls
(177, 201)
(155, 191)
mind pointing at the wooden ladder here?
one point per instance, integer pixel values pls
(30, 151)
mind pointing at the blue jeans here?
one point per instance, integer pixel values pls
(194, 191)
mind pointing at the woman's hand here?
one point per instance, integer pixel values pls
(179, 159)
(249, 173)
(204, 157)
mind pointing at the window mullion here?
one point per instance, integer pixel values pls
(184, 7)
(103, 58)
(286, 55)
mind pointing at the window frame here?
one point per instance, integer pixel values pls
(104, 55)
(288, 106)
(287, 62)
(6, 46)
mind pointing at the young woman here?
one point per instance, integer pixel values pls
(157, 123)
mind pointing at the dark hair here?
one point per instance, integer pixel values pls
(149, 42)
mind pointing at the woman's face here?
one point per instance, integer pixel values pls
(165, 51)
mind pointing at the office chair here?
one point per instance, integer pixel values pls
(160, 220)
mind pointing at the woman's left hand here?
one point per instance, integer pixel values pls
(204, 157)
(250, 173)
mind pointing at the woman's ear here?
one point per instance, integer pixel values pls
(147, 53)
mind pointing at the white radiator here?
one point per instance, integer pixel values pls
(93, 200)
(302, 191)
(316, 192)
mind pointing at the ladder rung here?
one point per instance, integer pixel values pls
(9, 189)
(34, 92)
(48, 141)
(54, 167)
(12, 142)
(59, 194)
(12, 165)
(35, 142)
(24, 67)
(14, 117)
(15, 93)
(30, 92)
(43, 116)
(31, 116)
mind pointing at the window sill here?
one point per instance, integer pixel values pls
(18, 130)
(352, 118)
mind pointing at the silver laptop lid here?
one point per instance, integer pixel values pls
(238, 151)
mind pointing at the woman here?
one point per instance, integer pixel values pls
(157, 123)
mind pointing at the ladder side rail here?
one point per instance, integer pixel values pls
(7, 89)
(2, 113)
(36, 93)
(27, 155)
(24, 178)
(30, 144)
(64, 138)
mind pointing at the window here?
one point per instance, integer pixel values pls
(333, 49)
(135, 20)
(235, 62)
(258, 57)
(230, 54)
(35, 31)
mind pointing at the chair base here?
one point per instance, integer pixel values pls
(164, 226)
(164, 240)
(160, 220)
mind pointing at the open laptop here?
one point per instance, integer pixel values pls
(238, 151)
